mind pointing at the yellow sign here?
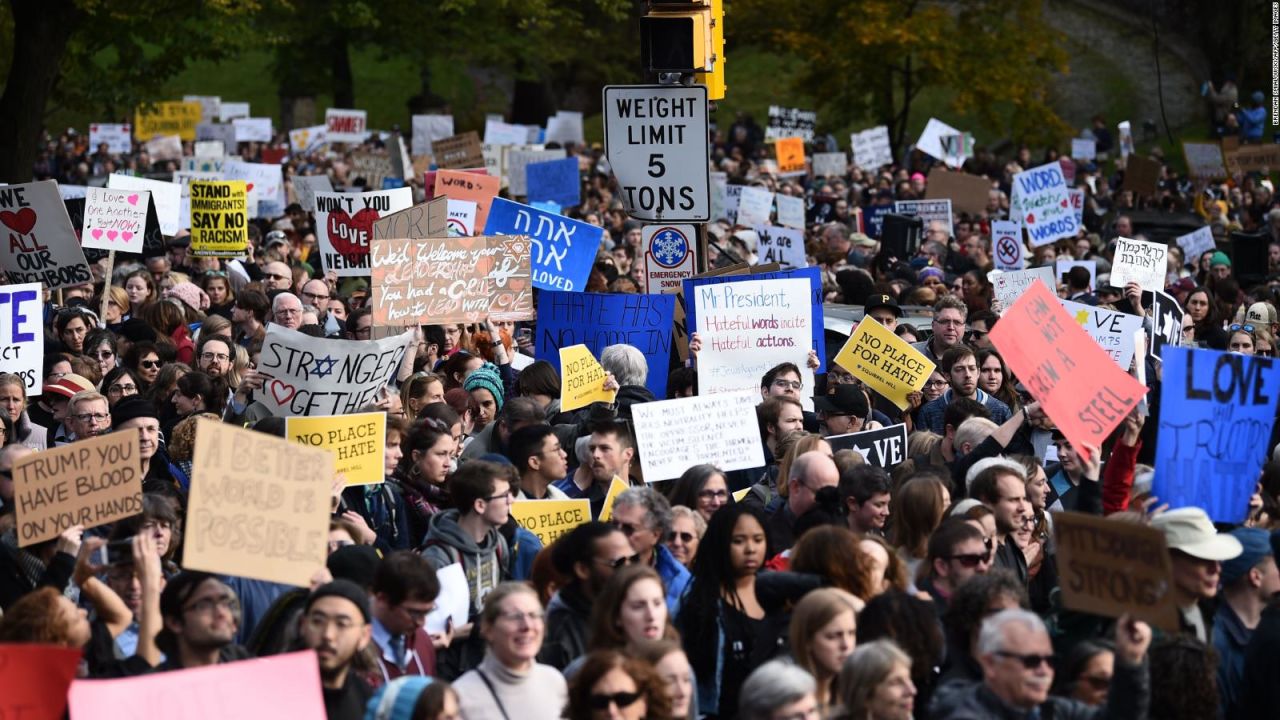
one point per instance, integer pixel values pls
(358, 442)
(219, 218)
(583, 379)
(615, 487)
(740, 494)
(166, 118)
(790, 152)
(884, 361)
(549, 519)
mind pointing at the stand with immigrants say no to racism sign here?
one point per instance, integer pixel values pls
(655, 137)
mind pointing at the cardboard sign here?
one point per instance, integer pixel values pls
(1044, 205)
(373, 167)
(554, 181)
(1077, 384)
(721, 429)
(781, 245)
(1196, 243)
(345, 126)
(549, 519)
(458, 151)
(616, 487)
(426, 220)
(749, 327)
(885, 362)
(117, 136)
(357, 442)
(755, 205)
(229, 111)
(1084, 148)
(22, 334)
(1112, 330)
(1262, 158)
(451, 280)
(1204, 160)
(1141, 176)
(669, 257)
(967, 193)
(318, 376)
(790, 212)
(480, 189)
(344, 226)
(929, 211)
(219, 219)
(1216, 414)
(599, 320)
(829, 164)
(426, 130)
(883, 447)
(1009, 286)
(1166, 323)
(872, 148)
(305, 188)
(166, 118)
(39, 242)
(930, 142)
(272, 687)
(564, 250)
(1140, 261)
(35, 679)
(166, 198)
(790, 154)
(583, 379)
(1006, 245)
(787, 122)
(259, 505)
(1112, 567)
(92, 482)
(114, 219)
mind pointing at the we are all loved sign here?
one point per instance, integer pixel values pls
(115, 219)
(344, 226)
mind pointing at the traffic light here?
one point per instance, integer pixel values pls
(714, 79)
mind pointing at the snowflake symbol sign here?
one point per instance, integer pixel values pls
(669, 247)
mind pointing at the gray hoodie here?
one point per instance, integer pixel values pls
(485, 565)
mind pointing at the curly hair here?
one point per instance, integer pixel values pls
(1183, 679)
(182, 441)
(832, 552)
(913, 624)
(601, 663)
(36, 618)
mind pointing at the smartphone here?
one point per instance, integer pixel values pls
(115, 552)
(524, 335)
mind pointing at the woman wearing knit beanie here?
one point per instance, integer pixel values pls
(485, 386)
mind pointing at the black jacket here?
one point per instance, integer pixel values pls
(1128, 699)
(1259, 689)
(568, 619)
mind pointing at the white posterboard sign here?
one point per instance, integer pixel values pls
(721, 429)
(1140, 261)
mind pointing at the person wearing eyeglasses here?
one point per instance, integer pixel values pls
(588, 555)
(1018, 666)
(957, 552)
(88, 415)
(980, 324)
(948, 328)
(335, 623)
(201, 615)
(644, 516)
(687, 529)
(286, 311)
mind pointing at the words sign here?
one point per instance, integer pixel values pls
(345, 126)
(117, 136)
(549, 519)
(22, 334)
(830, 164)
(1043, 204)
(787, 122)
(781, 245)
(790, 153)
(674, 435)
(92, 482)
(166, 118)
(344, 226)
(749, 327)
(373, 167)
(599, 320)
(114, 219)
(885, 362)
(1253, 158)
(317, 376)
(1140, 261)
(931, 142)
(451, 280)
(871, 148)
(563, 250)
(39, 242)
(1112, 567)
(1112, 330)
(458, 151)
(166, 199)
(656, 141)
(882, 447)
(219, 219)
(929, 211)
(357, 442)
(1196, 243)
(1216, 414)
(475, 187)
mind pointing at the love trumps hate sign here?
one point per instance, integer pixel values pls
(318, 376)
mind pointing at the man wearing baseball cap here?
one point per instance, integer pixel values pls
(842, 411)
(884, 310)
(1249, 581)
(1197, 552)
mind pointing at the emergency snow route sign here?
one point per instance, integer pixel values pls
(668, 256)
(655, 137)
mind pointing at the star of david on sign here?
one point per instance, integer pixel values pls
(323, 366)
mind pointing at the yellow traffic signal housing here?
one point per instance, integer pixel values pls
(675, 37)
(714, 79)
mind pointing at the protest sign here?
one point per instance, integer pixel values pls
(599, 320)
(967, 193)
(929, 211)
(583, 382)
(565, 127)
(41, 244)
(883, 447)
(549, 519)
(1125, 140)
(755, 204)
(1084, 148)
(749, 327)
(721, 429)
(453, 602)
(790, 212)
(319, 376)
(427, 220)
(1050, 353)
(73, 192)
(812, 274)
(183, 180)
(259, 505)
(669, 256)
(830, 164)
(166, 198)
(252, 129)
(885, 362)
(616, 486)
(210, 149)
(166, 118)
(1044, 205)
(787, 122)
(790, 154)
(497, 132)
(229, 111)
(34, 680)
(373, 167)
(93, 482)
(219, 220)
(519, 160)
(930, 142)
(163, 148)
(278, 686)
(1112, 330)
(732, 198)
(563, 250)
(872, 148)
(957, 147)
(1140, 261)
(21, 334)
(462, 218)
(344, 226)
(427, 129)
(211, 132)
(210, 106)
(357, 442)
(1261, 158)
(458, 151)
(308, 139)
(265, 183)
(1166, 322)
(781, 245)
(1196, 243)
(305, 188)
(114, 219)
(117, 136)
(451, 280)
(1141, 176)
(477, 188)
(1204, 160)
(1216, 413)
(554, 181)
(1006, 245)
(345, 126)
(1109, 567)
(1077, 205)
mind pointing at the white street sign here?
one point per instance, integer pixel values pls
(655, 137)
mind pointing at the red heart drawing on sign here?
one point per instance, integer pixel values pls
(96, 233)
(133, 199)
(350, 235)
(1031, 218)
(280, 388)
(111, 234)
(1065, 203)
(248, 187)
(21, 221)
(126, 235)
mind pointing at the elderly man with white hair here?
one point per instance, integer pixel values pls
(286, 310)
(1017, 671)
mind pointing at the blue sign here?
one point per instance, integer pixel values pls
(391, 183)
(1216, 412)
(812, 274)
(599, 320)
(563, 249)
(555, 181)
(873, 218)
